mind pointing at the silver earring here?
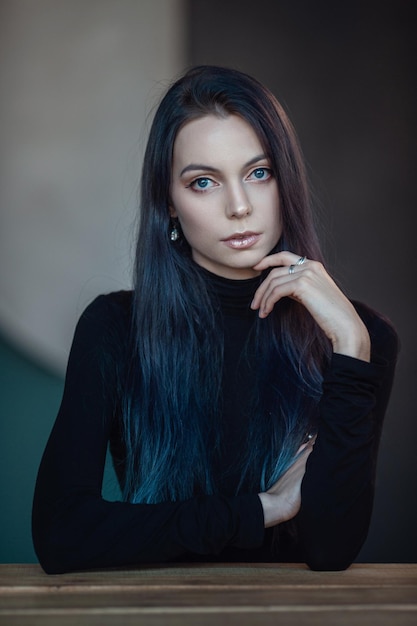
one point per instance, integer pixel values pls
(175, 233)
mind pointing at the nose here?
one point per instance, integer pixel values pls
(238, 204)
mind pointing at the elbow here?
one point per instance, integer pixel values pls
(61, 538)
(332, 556)
(328, 563)
(52, 567)
(52, 557)
(50, 564)
(333, 543)
(53, 548)
(332, 552)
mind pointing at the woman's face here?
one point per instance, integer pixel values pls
(224, 195)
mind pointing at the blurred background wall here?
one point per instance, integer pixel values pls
(80, 80)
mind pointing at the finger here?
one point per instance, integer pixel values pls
(307, 444)
(265, 285)
(285, 257)
(272, 260)
(298, 466)
(283, 263)
(280, 285)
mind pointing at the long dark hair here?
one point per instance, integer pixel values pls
(172, 390)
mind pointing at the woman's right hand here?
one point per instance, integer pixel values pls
(283, 500)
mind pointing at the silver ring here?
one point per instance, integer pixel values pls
(291, 269)
(301, 260)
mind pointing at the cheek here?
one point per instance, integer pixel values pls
(195, 226)
(192, 213)
(265, 197)
(275, 219)
(188, 219)
(271, 206)
(277, 206)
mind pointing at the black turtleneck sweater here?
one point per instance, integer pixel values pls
(74, 528)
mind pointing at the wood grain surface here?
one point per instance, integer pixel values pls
(208, 594)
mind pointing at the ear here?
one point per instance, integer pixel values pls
(172, 211)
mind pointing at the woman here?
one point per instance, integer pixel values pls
(241, 392)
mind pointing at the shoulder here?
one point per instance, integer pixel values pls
(384, 338)
(106, 318)
(109, 309)
(110, 305)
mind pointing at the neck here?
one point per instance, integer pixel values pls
(234, 296)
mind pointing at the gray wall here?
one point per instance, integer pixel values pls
(79, 78)
(345, 73)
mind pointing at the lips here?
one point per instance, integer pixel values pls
(242, 241)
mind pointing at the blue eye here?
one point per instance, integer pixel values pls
(200, 184)
(261, 173)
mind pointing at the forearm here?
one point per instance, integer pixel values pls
(336, 508)
(338, 486)
(353, 341)
(82, 531)
(273, 511)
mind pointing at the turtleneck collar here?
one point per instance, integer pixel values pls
(234, 296)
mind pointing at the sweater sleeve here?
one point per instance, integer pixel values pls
(338, 487)
(73, 527)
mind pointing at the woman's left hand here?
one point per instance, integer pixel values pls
(308, 282)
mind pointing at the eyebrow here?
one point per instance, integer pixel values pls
(209, 168)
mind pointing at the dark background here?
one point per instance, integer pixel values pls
(345, 73)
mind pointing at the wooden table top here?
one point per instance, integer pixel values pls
(206, 594)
